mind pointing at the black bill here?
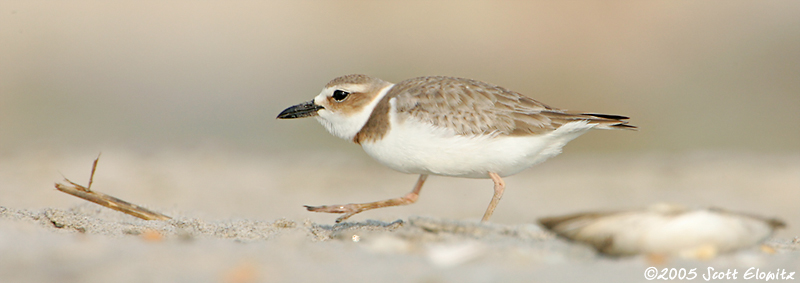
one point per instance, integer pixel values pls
(301, 110)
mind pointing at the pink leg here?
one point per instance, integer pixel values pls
(499, 188)
(354, 208)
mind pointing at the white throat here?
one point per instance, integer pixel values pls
(344, 125)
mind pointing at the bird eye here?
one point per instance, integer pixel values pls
(339, 95)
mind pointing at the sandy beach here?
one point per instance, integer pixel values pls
(242, 224)
(181, 98)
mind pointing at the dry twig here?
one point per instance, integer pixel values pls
(106, 200)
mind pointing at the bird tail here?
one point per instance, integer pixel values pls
(610, 121)
(601, 121)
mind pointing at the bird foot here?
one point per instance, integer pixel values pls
(347, 209)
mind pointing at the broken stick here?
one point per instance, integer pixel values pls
(107, 200)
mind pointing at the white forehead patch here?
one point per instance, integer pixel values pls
(328, 91)
(347, 88)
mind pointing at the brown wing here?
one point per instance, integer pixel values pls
(471, 107)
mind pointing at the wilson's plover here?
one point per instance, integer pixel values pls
(444, 126)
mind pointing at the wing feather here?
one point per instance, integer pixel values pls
(470, 107)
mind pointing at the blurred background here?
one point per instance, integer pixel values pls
(152, 74)
(137, 79)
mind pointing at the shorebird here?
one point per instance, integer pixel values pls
(444, 126)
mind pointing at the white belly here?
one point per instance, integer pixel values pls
(419, 148)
